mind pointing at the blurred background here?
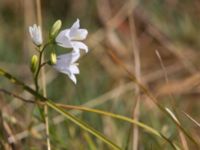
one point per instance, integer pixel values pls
(157, 41)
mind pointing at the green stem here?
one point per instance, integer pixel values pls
(77, 121)
(30, 90)
(38, 71)
(40, 65)
(124, 118)
(86, 109)
(82, 125)
(120, 117)
(14, 80)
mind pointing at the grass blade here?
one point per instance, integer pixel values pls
(82, 124)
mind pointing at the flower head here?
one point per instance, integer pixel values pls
(70, 38)
(66, 64)
(36, 34)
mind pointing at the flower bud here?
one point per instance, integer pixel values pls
(53, 58)
(34, 63)
(36, 34)
(55, 28)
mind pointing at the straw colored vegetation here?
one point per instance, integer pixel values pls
(138, 87)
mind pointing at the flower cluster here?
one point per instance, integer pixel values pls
(67, 38)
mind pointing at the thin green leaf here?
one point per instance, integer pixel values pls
(82, 124)
(74, 119)
(66, 114)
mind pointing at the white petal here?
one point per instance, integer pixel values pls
(76, 25)
(79, 45)
(61, 35)
(35, 27)
(70, 75)
(31, 31)
(65, 72)
(83, 34)
(64, 56)
(63, 40)
(79, 34)
(73, 78)
(69, 58)
(66, 64)
(60, 67)
(36, 34)
(75, 56)
(74, 69)
(39, 35)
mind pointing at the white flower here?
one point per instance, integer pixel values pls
(70, 38)
(36, 34)
(66, 64)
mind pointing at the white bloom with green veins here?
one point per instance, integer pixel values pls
(71, 38)
(66, 64)
(36, 34)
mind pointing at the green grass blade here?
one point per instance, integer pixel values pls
(66, 114)
(76, 120)
(82, 124)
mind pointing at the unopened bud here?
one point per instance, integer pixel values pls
(55, 28)
(53, 59)
(34, 63)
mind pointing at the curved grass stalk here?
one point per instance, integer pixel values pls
(192, 119)
(81, 123)
(123, 118)
(48, 102)
(100, 112)
(105, 113)
(151, 97)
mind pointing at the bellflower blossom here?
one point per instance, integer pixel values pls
(36, 34)
(66, 64)
(70, 38)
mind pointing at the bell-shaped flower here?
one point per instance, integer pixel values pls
(36, 34)
(71, 38)
(66, 64)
